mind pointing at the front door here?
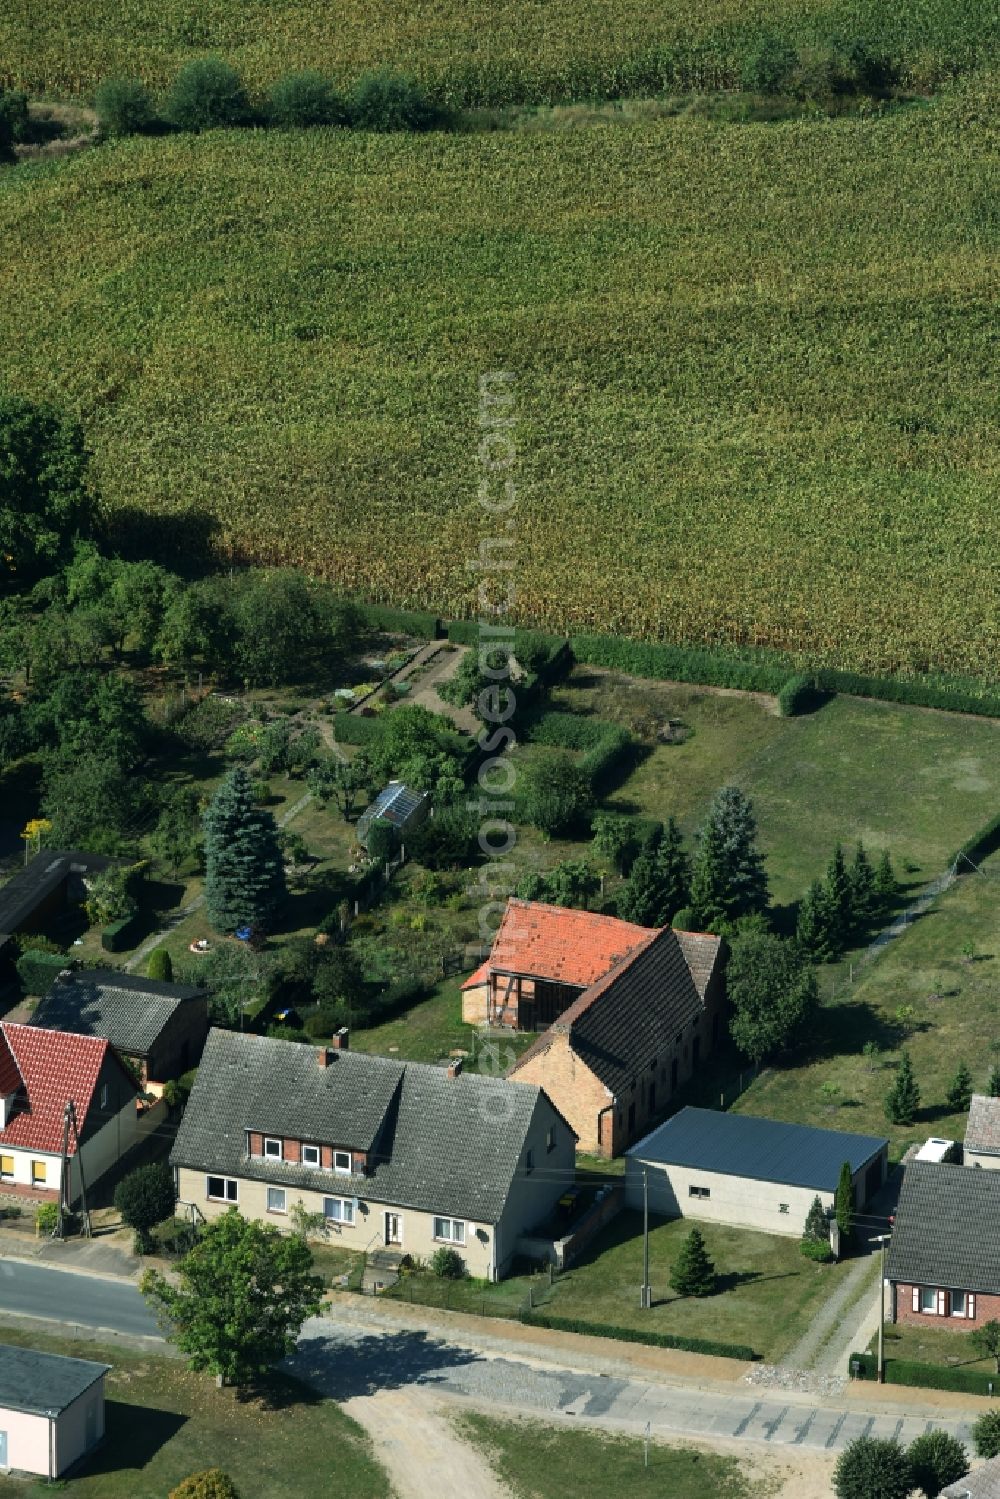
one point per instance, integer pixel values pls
(393, 1228)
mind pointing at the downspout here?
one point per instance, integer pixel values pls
(608, 1109)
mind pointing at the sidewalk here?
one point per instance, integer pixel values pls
(107, 1255)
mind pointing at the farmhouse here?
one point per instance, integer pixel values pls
(749, 1172)
(943, 1260)
(395, 1156)
(41, 1071)
(543, 958)
(51, 1410)
(616, 1057)
(159, 1027)
(982, 1133)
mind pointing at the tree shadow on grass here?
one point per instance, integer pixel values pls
(133, 1435)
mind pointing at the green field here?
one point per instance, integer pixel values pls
(479, 51)
(754, 365)
(543, 1462)
(164, 1423)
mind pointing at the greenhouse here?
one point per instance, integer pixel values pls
(398, 808)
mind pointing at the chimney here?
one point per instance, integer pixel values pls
(322, 1056)
(341, 1038)
(454, 1066)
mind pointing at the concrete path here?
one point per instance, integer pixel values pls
(825, 1334)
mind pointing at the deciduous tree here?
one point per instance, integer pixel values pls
(144, 1198)
(772, 992)
(872, 1468)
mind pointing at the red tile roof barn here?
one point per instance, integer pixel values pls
(562, 945)
(54, 1067)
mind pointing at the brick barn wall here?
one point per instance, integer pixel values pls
(576, 1092)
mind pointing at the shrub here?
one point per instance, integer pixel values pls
(986, 1434)
(208, 94)
(260, 791)
(13, 122)
(639, 1335)
(871, 1468)
(212, 1483)
(304, 100)
(937, 1459)
(38, 971)
(144, 1198)
(399, 621)
(387, 101)
(46, 1218)
(800, 695)
(447, 1263)
(119, 936)
(684, 920)
(768, 65)
(814, 1250)
(555, 793)
(124, 107)
(160, 966)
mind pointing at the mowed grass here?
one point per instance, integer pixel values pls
(546, 1462)
(926, 1344)
(470, 50)
(164, 1423)
(956, 1004)
(752, 366)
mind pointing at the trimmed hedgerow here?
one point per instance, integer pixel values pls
(924, 1376)
(604, 744)
(417, 622)
(637, 1335)
(983, 843)
(800, 695)
(677, 663)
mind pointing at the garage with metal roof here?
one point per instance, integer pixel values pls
(747, 1171)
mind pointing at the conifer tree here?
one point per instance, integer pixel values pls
(693, 1273)
(903, 1098)
(837, 893)
(960, 1092)
(708, 880)
(659, 881)
(817, 1226)
(993, 1083)
(160, 966)
(729, 838)
(814, 928)
(886, 884)
(861, 879)
(244, 870)
(843, 1204)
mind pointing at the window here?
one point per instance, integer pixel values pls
(7, 1167)
(38, 1173)
(273, 1148)
(550, 1137)
(104, 1095)
(782, 1207)
(959, 1304)
(338, 1209)
(276, 1199)
(928, 1300)
(342, 1162)
(220, 1189)
(310, 1155)
(699, 1191)
(529, 1162)
(451, 1230)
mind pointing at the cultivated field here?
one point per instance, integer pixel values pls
(492, 51)
(754, 365)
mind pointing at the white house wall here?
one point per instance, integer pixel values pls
(71, 1427)
(736, 1200)
(27, 1441)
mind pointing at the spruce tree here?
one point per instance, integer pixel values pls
(659, 881)
(730, 831)
(903, 1098)
(843, 1204)
(837, 894)
(244, 870)
(693, 1273)
(861, 880)
(708, 880)
(814, 927)
(817, 1225)
(960, 1092)
(886, 884)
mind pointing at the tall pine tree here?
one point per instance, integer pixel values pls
(659, 881)
(708, 880)
(814, 929)
(837, 893)
(903, 1098)
(244, 870)
(861, 880)
(728, 878)
(886, 884)
(693, 1273)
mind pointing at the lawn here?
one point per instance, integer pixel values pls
(932, 1345)
(164, 1423)
(546, 1462)
(771, 428)
(956, 1004)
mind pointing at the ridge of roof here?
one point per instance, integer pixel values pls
(560, 943)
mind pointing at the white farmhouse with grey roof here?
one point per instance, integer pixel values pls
(747, 1171)
(395, 1155)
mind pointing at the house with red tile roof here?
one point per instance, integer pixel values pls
(543, 958)
(41, 1071)
(613, 1062)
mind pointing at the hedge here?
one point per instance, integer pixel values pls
(800, 695)
(38, 971)
(925, 1376)
(647, 658)
(120, 935)
(931, 692)
(355, 728)
(636, 1335)
(981, 844)
(415, 622)
(604, 744)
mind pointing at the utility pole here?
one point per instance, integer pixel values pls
(881, 1311)
(65, 1203)
(645, 1296)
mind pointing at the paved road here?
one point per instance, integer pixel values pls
(28, 1290)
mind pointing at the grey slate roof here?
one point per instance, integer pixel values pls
(982, 1483)
(947, 1229)
(43, 1384)
(794, 1155)
(982, 1133)
(129, 1012)
(25, 891)
(434, 1143)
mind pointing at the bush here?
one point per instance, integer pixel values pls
(304, 100)
(556, 794)
(13, 122)
(768, 66)
(399, 621)
(684, 920)
(872, 1468)
(447, 1263)
(640, 1335)
(124, 107)
(813, 1249)
(160, 966)
(144, 1198)
(924, 1376)
(119, 936)
(937, 1459)
(387, 101)
(986, 1434)
(38, 971)
(208, 94)
(212, 1483)
(46, 1218)
(800, 695)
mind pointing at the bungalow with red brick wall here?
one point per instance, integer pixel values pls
(543, 958)
(943, 1261)
(613, 1062)
(41, 1071)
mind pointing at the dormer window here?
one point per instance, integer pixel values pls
(310, 1155)
(342, 1162)
(273, 1148)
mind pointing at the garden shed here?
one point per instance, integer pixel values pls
(398, 808)
(749, 1172)
(51, 1410)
